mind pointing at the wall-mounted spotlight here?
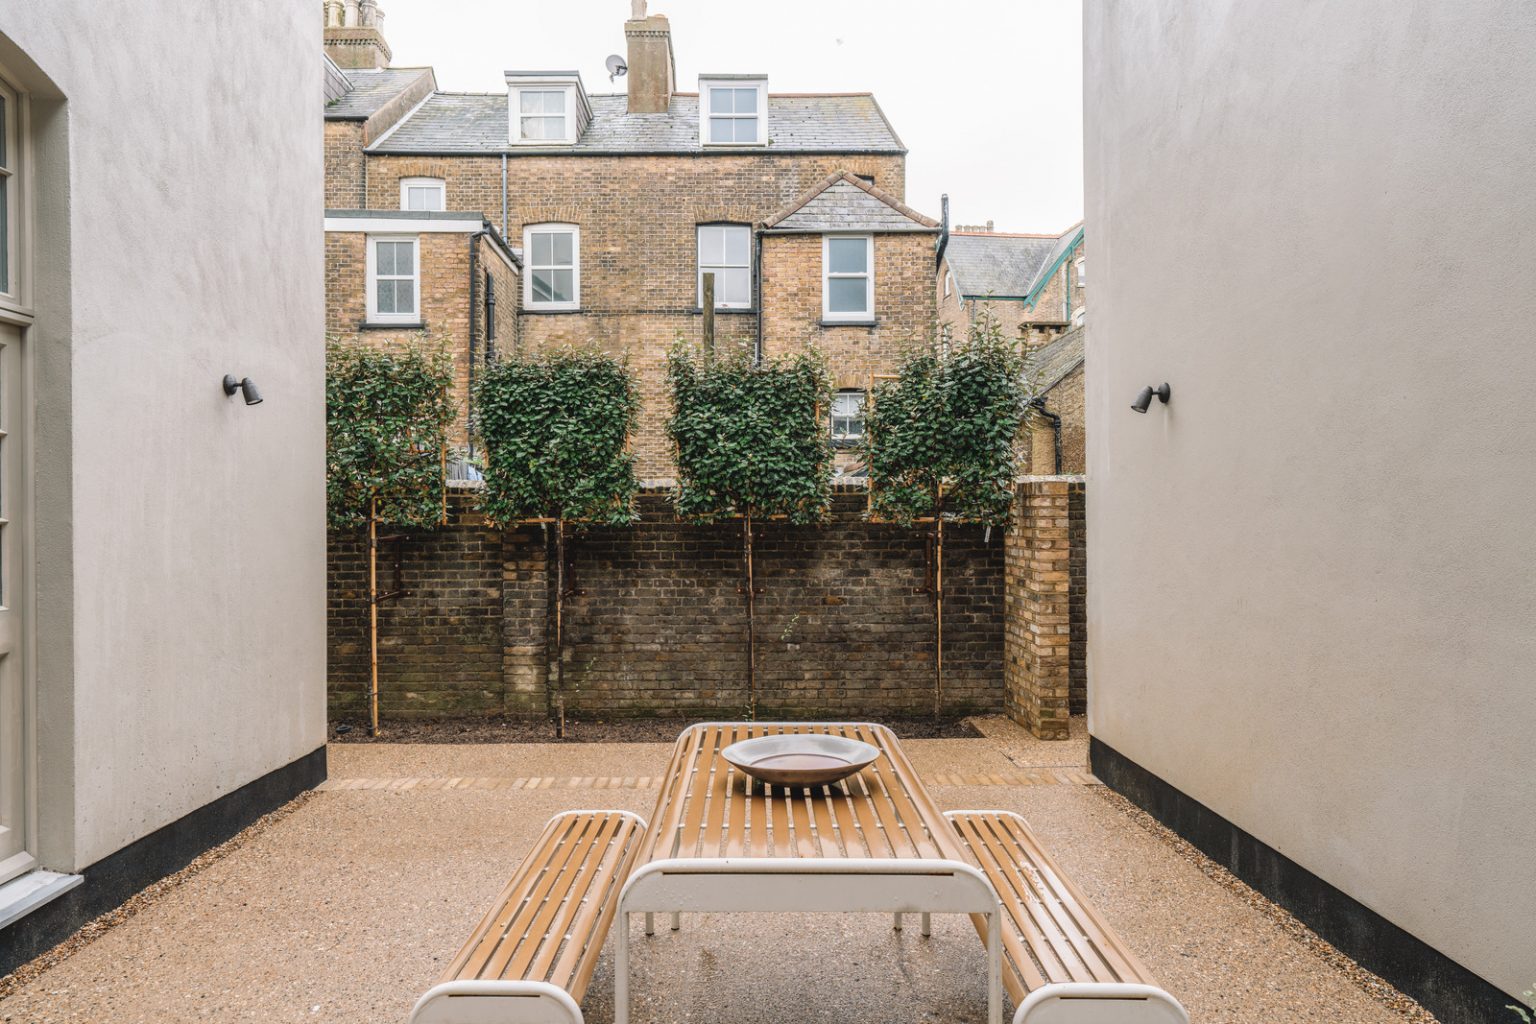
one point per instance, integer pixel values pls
(1144, 400)
(248, 386)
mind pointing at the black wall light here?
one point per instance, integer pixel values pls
(248, 386)
(1144, 400)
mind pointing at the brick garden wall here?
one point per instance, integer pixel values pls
(1046, 622)
(658, 624)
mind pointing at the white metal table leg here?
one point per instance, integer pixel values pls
(897, 925)
(621, 971)
(677, 920)
(994, 969)
(650, 923)
(927, 925)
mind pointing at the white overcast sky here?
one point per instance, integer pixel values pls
(986, 94)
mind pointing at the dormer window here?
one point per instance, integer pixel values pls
(541, 115)
(733, 111)
(546, 108)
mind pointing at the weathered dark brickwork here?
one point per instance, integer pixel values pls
(657, 625)
(1077, 603)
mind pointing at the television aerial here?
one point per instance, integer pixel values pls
(616, 67)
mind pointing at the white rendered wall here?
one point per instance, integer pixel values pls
(1312, 577)
(194, 525)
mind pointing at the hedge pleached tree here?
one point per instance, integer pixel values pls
(387, 415)
(939, 443)
(555, 430)
(751, 443)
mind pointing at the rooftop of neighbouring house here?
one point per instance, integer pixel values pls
(844, 202)
(1001, 265)
(470, 123)
(1056, 361)
(369, 89)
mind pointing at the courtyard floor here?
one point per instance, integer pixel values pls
(347, 907)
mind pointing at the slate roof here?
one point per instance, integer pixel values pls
(477, 123)
(1064, 245)
(371, 89)
(1056, 361)
(996, 265)
(844, 202)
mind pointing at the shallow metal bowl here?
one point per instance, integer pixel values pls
(800, 760)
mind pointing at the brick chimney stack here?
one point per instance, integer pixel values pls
(354, 34)
(652, 70)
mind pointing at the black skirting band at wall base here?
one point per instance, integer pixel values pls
(1443, 987)
(113, 879)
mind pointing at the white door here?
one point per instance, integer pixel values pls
(14, 858)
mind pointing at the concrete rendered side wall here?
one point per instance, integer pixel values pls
(1310, 588)
(194, 207)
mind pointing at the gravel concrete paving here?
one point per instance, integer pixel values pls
(346, 909)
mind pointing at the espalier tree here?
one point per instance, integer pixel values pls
(939, 443)
(750, 443)
(555, 428)
(387, 414)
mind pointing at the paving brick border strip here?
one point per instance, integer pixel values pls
(403, 784)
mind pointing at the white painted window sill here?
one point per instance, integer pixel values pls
(20, 896)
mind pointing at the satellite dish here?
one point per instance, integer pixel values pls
(616, 67)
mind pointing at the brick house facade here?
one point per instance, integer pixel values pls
(616, 203)
(1035, 285)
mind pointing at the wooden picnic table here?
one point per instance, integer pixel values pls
(874, 843)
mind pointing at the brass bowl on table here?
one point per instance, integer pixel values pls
(800, 759)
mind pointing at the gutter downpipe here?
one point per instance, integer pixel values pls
(757, 356)
(474, 310)
(943, 229)
(1038, 404)
(504, 197)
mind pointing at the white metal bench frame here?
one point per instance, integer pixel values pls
(1088, 1002)
(509, 1001)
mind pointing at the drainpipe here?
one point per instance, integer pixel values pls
(504, 196)
(1038, 404)
(943, 229)
(474, 318)
(757, 356)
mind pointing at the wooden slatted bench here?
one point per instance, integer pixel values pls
(1061, 962)
(531, 957)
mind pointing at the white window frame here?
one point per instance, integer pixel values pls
(848, 440)
(515, 114)
(949, 283)
(705, 113)
(529, 266)
(13, 292)
(827, 277)
(698, 239)
(441, 186)
(374, 316)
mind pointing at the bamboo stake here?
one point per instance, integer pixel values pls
(373, 616)
(746, 525)
(938, 615)
(560, 622)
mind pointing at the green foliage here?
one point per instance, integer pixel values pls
(750, 437)
(1528, 997)
(555, 429)
(387, 415)
(939, 439)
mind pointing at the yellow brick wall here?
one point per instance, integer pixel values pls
(344, 165)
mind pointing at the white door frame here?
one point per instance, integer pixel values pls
(16, 493)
